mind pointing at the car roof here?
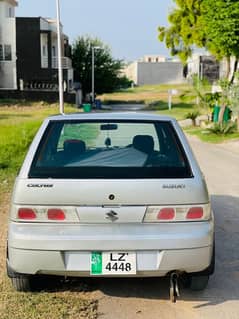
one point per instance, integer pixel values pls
(111, 116)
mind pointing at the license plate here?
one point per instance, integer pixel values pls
(113, 263)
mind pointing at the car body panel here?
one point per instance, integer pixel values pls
(97, 192)
(150, 263)
(110, 217)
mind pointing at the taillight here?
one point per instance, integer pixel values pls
(166, 214)
(43, 214)
(26, 214)
(56, 214)
(185, 213)
(195, 213)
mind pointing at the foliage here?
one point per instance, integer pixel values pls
(193, 116)
(223, 128)
(199, 93)
(212, 99)
(234, 94)
(220, 22)
(210, 24)
(234, 98)
(107, 69)
(185, 29)
(210, 137)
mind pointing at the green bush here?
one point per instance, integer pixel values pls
(223, 128)
(192, 116)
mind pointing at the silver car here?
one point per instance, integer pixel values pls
(110, 194)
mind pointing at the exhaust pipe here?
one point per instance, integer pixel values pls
(174, 290)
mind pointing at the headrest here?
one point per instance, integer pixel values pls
(74, 146)
(144, 143)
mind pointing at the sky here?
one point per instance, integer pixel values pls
(128, 27)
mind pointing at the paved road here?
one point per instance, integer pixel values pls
(130, 299)
(123, 107)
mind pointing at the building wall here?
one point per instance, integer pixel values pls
(37, 63)
(131, 72)
(29, 52)
(159, 73)
(7, 37)
(44, 50)
(153, 58)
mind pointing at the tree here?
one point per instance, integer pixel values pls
(210, 24)
(107, 69)
(233, 95)
(221, 24)
(185, 29)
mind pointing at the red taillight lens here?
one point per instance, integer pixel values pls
(195, 213)
(26, 213)
(56, 214)
(166, 214)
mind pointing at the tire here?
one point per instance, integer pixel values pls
(198, 283)
(211, 268)
(22, 283)
(199, 280)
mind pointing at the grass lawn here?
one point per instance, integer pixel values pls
(144, 94)
(63, 304)
(18, 125)
(210, 137)
(155, 97)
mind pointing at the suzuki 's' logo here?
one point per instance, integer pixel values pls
(112, 216)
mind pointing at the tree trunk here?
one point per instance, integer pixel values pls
(221, 114)
(237, 121)
(234, 70)
(228, 69)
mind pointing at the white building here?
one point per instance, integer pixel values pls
(8, 74)
(28, 52)
(153, 69)
(153, 58)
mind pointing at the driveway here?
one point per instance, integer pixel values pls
(148, 298)
(123, 107)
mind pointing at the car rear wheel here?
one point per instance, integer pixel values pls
(22, 283)
(199, 282)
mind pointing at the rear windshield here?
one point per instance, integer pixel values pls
(110, 149)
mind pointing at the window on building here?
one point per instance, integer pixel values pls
(1, 52)
(10, 12)
(8, 52)
(5, 52)
(53, 50)
(44, 50)
(149, 60)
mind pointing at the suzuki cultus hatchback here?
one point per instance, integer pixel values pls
(116, 194)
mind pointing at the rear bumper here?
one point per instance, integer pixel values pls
(66, 250)
(68, 263)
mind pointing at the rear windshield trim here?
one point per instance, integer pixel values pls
(108, 173)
